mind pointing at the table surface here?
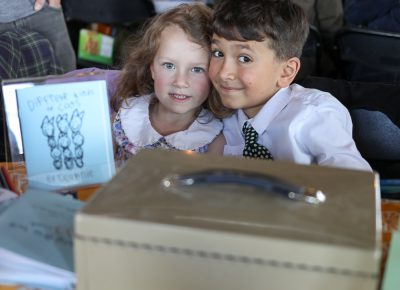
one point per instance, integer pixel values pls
(17, 173)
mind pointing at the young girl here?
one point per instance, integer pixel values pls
(160, 95)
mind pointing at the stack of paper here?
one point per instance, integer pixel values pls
(6, 198)
(36, 241)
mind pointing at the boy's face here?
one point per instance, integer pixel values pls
(245, 74)
(180, 72)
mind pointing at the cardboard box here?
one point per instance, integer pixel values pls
(145, 230)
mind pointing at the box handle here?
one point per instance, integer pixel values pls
(265, 182)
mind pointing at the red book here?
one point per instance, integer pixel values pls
(7, 177)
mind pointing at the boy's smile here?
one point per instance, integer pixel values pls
(246, 74)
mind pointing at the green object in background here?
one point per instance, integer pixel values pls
(95, 46)
(391, 279)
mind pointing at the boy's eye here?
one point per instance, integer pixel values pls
(198, 69)
(168, 65)
(244, 59)
(216, 53)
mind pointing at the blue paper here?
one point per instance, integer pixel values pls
(37, 230)
(66, 134)
(391, 279)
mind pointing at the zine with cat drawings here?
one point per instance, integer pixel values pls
(66, 134)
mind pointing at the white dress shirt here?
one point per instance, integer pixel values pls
(302, 125)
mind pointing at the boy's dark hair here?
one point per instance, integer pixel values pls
(281, 22)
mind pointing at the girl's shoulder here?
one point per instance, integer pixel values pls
(208, 118)
(133, 102)
(135, 107)
(201, 133)
(208, 122)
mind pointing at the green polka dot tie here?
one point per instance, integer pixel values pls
(251, 148)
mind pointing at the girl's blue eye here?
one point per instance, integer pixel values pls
(197, 69)
(216, 53)
(168, 65)
(244, 59)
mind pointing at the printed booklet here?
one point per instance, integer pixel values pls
(65, 131)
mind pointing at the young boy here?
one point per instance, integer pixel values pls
(255, 56)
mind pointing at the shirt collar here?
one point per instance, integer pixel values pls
(268, 112)
(136, 124)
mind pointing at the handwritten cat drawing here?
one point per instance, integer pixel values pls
(68, 158)
(64, 140)
(78, 139)
(48, 131)
(76, 120)
(56, 154)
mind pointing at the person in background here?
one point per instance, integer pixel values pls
(163, 86)
(379, 15)
(44, 17)
(255, 53)
(327, 17)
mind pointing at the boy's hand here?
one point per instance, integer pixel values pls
(53, 3)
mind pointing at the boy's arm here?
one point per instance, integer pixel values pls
(216, 147)
(327, 135)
